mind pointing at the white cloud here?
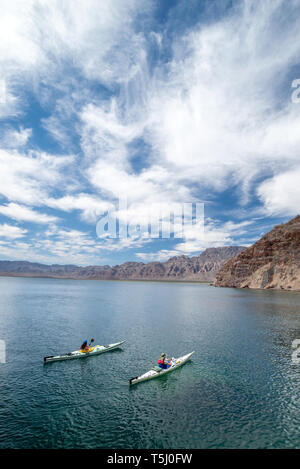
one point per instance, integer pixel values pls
(219, 118)
(12, 138)
(9, 104)
(50, 253)
(11, 232)
(51, 230)
(28, 177)
(213, 117)
(38, 38)
(101, 41)
(90, 206)
(72, 235)
(281, 194)
(23, 213)
(64, 246)
(104, 135)
(149, 186)
(215, 234)
(162, 255)
(123, 244)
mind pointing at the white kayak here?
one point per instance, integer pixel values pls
(156, 371)
(96, 350)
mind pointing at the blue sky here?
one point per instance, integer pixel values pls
(162, 102)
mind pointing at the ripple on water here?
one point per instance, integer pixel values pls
(239, 390)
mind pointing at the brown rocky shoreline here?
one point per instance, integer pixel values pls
(273, 262)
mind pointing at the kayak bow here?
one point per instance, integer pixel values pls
(96, 350)
(156, 372)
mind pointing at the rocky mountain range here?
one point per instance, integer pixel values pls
(272, 262)
(202, 268)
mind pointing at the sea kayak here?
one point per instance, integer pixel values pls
(156, 371)
(96, 350)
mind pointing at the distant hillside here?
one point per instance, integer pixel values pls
(201, 268)
(272, 262)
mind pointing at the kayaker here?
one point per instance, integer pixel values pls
(85, 346)
(163, 361)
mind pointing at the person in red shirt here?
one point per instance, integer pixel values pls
(164, 362)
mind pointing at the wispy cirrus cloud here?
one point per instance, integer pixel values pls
(214, 116)
(220, 118)
(117, 101)
(29, 177)
(14, 138)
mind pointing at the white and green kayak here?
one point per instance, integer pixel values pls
(96, 350)
(156, 371)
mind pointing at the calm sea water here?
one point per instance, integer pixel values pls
(240, 390)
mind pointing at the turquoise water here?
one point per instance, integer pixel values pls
(240, 390)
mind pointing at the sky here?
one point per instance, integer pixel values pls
(157, 102)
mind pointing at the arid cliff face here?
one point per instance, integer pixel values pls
(199, 268)
(272, 262)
